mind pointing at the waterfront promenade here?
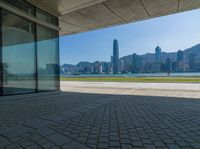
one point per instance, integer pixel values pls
(184, 90)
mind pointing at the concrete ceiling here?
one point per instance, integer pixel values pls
(84, 15)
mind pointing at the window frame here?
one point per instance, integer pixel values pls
(36, 55)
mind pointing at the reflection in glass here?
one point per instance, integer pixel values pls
(46, 17)
(48, 68)
(22, 5)
(18, 55)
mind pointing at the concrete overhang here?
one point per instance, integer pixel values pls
(83, 15)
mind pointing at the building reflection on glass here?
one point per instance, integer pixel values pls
(22, 56)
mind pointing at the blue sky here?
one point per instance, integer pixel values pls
(171, 33)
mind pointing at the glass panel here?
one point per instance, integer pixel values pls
(18, 55)
(46, 17)
(48, 61)
(22, 5)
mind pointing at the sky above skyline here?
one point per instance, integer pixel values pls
(173, 32)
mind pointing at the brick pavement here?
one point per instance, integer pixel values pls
(90, 121)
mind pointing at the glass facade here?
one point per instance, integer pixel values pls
(29, 55)
(18, 54)
(46, 17)
(48, 59)
(21, 5)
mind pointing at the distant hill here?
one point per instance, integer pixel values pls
(195, 49)
(149, 57)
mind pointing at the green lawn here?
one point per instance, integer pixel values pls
(136, 79)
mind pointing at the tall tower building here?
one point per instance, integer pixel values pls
(192, 61)
(115, 56)
(168, 64)
(136, 63)
(180, 56)
(158, 54)
(180, 61)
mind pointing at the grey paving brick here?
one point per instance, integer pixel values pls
(48, 145)
(195, 145)
(45, 131)
(109, 121)
(150, 146)
(114, 143)
(183, 143)
(173, 146)
(75, 145)
(58, 139)
(102, 145)
(25, 143)
(92, 141)
(34, 146)
(137, 143)
(159, 144)
(13, 146)
(126, 146)
(103, 140)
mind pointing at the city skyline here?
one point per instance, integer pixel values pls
(159, 61)
(179, 55)
(171, 32)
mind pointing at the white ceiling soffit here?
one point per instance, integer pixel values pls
(84, 15)
(60, 7)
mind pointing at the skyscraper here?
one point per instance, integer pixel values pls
(136, 63)
(192, 61)
(121, 65)
(180, 61)
(180, 56)
(158, 54)
(115, 56)
(168, 64)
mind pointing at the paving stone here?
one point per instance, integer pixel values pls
(136, 147)
(58, 139)
(102, 145)
(13, 146)
(125, 141)
(114, 138)
(44, 131)
(182, 144)
(26, 142)
(82, 139)
(150, 146)
(103, 140)
(168, 141)
(146, 141)
(48, 145)
(75, 145)
(34, 146)
(4, 143)
(109, 121)
(92, 141)
(114, 143)
(41, 141)
(159, 144)
(137, 143)
(195, 145)
(126, 146)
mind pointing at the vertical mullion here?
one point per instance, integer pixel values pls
(1, 55)
(58, 61)
(36, 52)
(36, 57)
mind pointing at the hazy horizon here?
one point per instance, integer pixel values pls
(128, 55)
(172, 33)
